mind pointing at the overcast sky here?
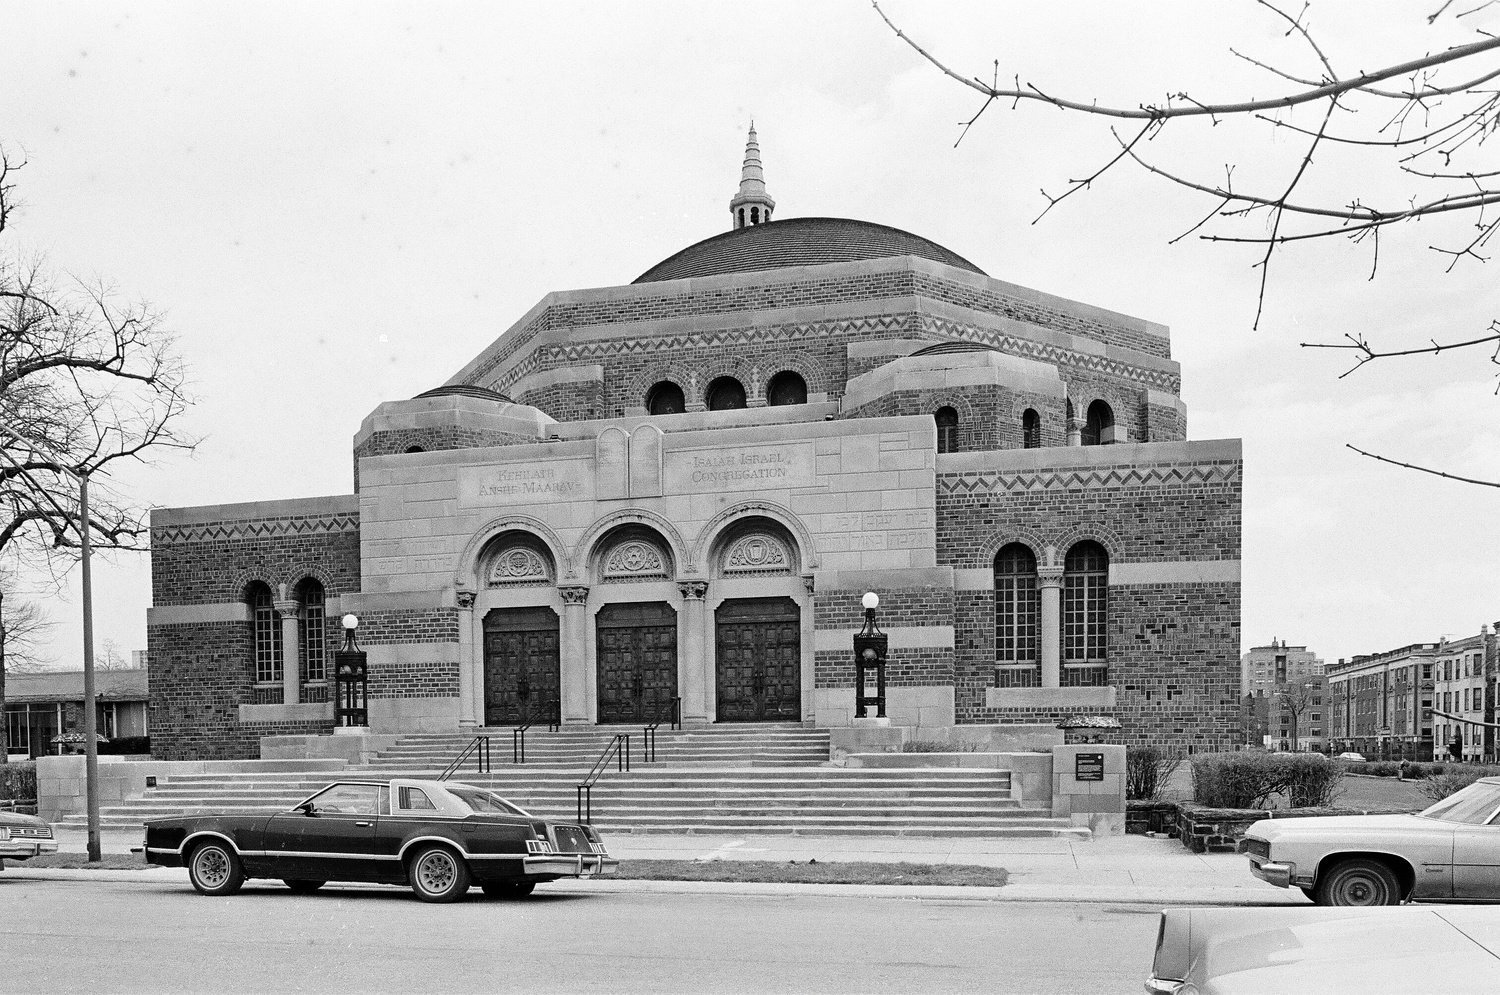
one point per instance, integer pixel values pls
(341, 204)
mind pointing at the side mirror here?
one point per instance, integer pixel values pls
(307, 808)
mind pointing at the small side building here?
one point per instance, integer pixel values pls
(41, 707)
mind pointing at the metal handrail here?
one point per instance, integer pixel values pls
(554, 723)
(479, 749)
(518, 743)
(648, 735)
(619, 746)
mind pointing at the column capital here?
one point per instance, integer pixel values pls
(465, 600)
(693, 590)
(288, 609)
(1049, 576)
(574, 595)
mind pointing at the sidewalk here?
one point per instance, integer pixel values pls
(1135, 869)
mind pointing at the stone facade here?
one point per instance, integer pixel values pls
(530, 536)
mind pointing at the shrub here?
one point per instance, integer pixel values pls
(1248, 780)
(18, 780)
(1454, 777)
(1382, 768)
(1147, 770)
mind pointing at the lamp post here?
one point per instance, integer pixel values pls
(90, 720)
(351, 681)
(870, 645)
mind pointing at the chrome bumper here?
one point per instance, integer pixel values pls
(1163, 986)
(581, 865)
(1281, 875)
(20, 849)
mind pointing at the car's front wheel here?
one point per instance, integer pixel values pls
(509, 889)
(214, 869)
(437, 874)
(302, 887)
(1358, 881)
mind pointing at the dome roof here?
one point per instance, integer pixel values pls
(798, 242)
(466, 390)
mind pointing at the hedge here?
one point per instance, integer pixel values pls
(18, 781)
(1248, 779)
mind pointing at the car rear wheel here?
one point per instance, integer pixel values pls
(437, 874)
(509, 889)
(302, 887)
(214, 869)
(1359, 882)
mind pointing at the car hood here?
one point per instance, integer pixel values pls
(1277, 829)
(18, 819)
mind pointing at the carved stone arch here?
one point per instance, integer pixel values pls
(300, 572)
(709, 536)
(813, 373)
(242, 581)
(466, 576)
(1098, 533)
(740, 368)
(1001, 538)
(654, 373)
(950, 398)
(586, 550)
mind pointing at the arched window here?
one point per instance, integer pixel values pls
(415, 449)
(947, 430)
(1031, 429)
(742, 217)
(1016, 609)
(726, 394)
(665, 399)
(755, 215)
(314, 639)
(786, 387)
(1085, 615)
(267, 630)
(1100, 417)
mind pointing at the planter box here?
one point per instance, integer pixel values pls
(1219, 830)
(1143, 817)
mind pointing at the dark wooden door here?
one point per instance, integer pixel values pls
(758, 659)
(522, 669)
(637, 651)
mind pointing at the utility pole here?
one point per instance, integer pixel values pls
(90, 709)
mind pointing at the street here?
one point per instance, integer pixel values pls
(92, 935)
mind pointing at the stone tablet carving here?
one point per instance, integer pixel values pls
(757, 553)
(518, 565)
(634, 559)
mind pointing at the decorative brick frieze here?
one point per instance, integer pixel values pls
(253, 529)
(208, 565)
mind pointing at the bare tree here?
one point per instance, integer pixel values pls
(1296, 698)
(110, 657)
(1419, 125)
(89, 382)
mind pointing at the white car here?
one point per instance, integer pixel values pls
(1356, 757)
(1448, 852)
(24, 836)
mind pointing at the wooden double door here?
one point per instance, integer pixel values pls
(637, 653)
(758, 651)
(522, 666)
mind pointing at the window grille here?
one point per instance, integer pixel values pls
(267, 636)
(314, 635)
(1085, 604)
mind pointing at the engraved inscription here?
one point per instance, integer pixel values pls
(488, 486)
(742, 468)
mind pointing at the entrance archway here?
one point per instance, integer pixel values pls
(758, 660)
(522, 668)
(637, 653)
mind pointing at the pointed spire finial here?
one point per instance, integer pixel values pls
(752, 205)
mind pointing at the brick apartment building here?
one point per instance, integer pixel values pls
(678, 489)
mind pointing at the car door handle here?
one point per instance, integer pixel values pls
(362, 824)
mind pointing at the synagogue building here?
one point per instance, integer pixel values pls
(673, 493)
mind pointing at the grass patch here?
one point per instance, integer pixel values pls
(811, 872)
(76, 861)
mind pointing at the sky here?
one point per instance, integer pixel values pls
(339, 204)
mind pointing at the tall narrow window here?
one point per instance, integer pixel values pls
(1016, 609)
(267, 635)
(742, 217)
(947, 430)
(1031, 429)
(1098, 425)
(1085, 611)
(314, 648)
(755, 215)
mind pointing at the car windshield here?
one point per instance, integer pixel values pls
(1472, 806)
(486, 801)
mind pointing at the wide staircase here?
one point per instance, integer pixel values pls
(772, 778)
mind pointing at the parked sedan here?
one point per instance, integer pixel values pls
(1448, 852)
(1273, 951)
(436, 836)
(24, 836)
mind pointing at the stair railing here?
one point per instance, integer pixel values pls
(554, 721)
(518, 743)
(619, 748)
(479, 749)
(648, 735)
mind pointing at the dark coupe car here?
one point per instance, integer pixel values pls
(437, 836)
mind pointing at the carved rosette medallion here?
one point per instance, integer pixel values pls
(518, 565)
(635, 559)
(757, 553)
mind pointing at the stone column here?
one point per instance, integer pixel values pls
(291, 663)
(470, 707)
(691, 665)
(1049, 582)
(575, 657)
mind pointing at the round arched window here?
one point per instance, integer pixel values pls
(665, 399)
(1100, 417)
(786, 387)
(726, 394)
